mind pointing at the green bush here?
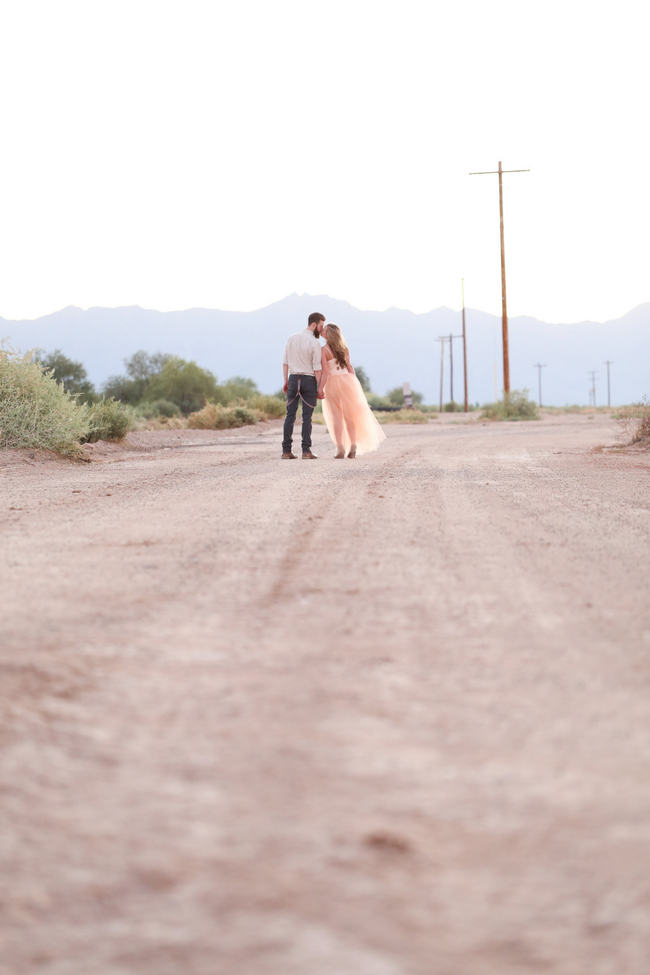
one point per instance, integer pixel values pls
(516, 406)
(158, 407)
(404, 416)
(215, 416)
(35, 410)
(108, 420)
(377, 402)
(396, 397)
(234, 389)
(72, 375)
(272, 407)
(183, 383)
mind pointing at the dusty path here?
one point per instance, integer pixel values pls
(383, 717)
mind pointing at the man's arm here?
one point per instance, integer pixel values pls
(285, 377)
(318, 374)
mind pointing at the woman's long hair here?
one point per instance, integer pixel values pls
(339, 349)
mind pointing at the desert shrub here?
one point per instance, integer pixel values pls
(635, 421)
(396, 397)
(109, 420)
(36, 410)
(404, 416)
(157, 408)
(377, 402)
(235, 389)
(159, 422)
(516, 406)
(215, 416)
(272, 407)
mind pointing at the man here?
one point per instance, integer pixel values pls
(301, 368)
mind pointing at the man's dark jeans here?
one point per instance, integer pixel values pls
(302, 389)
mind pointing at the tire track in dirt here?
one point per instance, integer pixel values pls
(337, 499)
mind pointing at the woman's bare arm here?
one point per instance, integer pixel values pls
(323, 375)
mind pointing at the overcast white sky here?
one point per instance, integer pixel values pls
(225, 153)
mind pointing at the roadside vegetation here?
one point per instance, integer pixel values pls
(38, 411)
(167, 391)
(635, 421)
(47, 400)
(516, 406)
(411, 415)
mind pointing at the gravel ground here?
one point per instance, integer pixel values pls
(377, 717)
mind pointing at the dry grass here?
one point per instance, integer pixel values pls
(635, 421)
(405, 416)
(214, 416)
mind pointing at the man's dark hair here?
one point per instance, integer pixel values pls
(315, 317)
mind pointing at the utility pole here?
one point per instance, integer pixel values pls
(592, 391)
(504, 308)
(451, 367)
(539, 366)
(442, 339)
(609, 394)
(464, 347)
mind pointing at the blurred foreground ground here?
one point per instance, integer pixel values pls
(381, 717)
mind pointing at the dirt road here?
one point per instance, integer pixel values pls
(377, 717)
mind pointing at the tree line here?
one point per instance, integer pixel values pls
(171, 386)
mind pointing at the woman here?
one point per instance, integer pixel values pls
(350, 422)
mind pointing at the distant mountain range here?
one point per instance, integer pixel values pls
(393, 346)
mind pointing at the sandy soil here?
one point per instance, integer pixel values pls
(378, 717)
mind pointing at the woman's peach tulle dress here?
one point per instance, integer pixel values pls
(348, 417)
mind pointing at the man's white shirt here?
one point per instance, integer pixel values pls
(302, 353)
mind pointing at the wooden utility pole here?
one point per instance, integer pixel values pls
(451, 367)
(609, 394)
(464, 347)
(442, 339)
(592, 391)
(504, 307)
(539, 366)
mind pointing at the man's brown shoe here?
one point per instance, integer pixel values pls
(289, 456)
(307, 455)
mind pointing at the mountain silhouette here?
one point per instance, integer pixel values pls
(393, 346)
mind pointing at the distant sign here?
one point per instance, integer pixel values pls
(408, 396)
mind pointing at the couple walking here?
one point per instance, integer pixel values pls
(312, 372)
